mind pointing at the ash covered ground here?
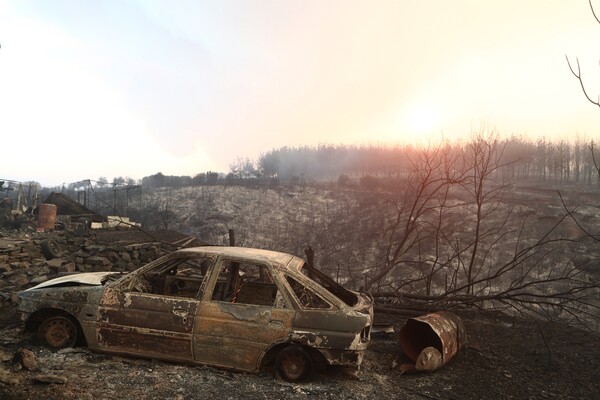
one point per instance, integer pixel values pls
(504, 358)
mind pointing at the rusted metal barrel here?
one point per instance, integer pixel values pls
(432, 340)
(47, 216)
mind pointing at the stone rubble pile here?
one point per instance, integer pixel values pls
(22, 262)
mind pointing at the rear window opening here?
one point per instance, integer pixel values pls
(306, 297)
(332, 286)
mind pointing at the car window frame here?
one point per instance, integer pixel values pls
(124, 283)
(313, 287)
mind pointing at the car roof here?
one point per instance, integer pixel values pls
(245, 253)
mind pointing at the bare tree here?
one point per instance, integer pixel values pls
(243, 168)
(420, 198)
(577, 72)
(454, 228)
(166, 211)
(578, 75)
(484, 189)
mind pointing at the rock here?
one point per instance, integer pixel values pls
(7, 378)
(70, 267)
(55, 263)
(22, 256)
(19, 280)
(352, 373)
(44, 270)
(125, 256)
(14, 298)
(49, 378)
(99, 268)
(39, 279)
(5, 355)
(112, 256)
(26, 359)
(407, 368)
(94, 249)
(19, 265)
(98, 260)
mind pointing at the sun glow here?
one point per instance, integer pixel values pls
(423, 119)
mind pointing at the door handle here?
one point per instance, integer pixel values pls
(180, 312)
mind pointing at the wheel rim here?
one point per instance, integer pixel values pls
(293, 366)
(59, 332)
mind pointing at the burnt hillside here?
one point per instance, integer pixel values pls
(349, 231)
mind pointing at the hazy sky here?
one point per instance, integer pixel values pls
(131, 88)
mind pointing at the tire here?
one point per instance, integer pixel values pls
(58, 332)
(51, 249)
(293, 364)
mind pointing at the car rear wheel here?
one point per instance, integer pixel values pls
(58, 332)
(293, 364)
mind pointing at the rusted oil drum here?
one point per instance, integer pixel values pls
(432, 340)
(47, 216)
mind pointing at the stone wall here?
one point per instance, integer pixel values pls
(22, 263)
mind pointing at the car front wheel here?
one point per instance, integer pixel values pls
(293, 364)
(58, 332)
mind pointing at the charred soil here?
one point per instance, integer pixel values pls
(504, 358)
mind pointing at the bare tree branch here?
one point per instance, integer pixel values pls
(594, 12)
(579, 78)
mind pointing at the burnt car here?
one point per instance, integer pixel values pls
(230, 307)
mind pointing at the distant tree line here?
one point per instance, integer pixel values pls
(161, 180)
(370, 166)
(522, 159)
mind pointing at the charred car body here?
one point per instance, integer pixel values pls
(230, 307)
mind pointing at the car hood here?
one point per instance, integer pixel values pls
(82, 279)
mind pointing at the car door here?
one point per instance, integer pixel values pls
(146, 324)
(153, 314)
(242, 316)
